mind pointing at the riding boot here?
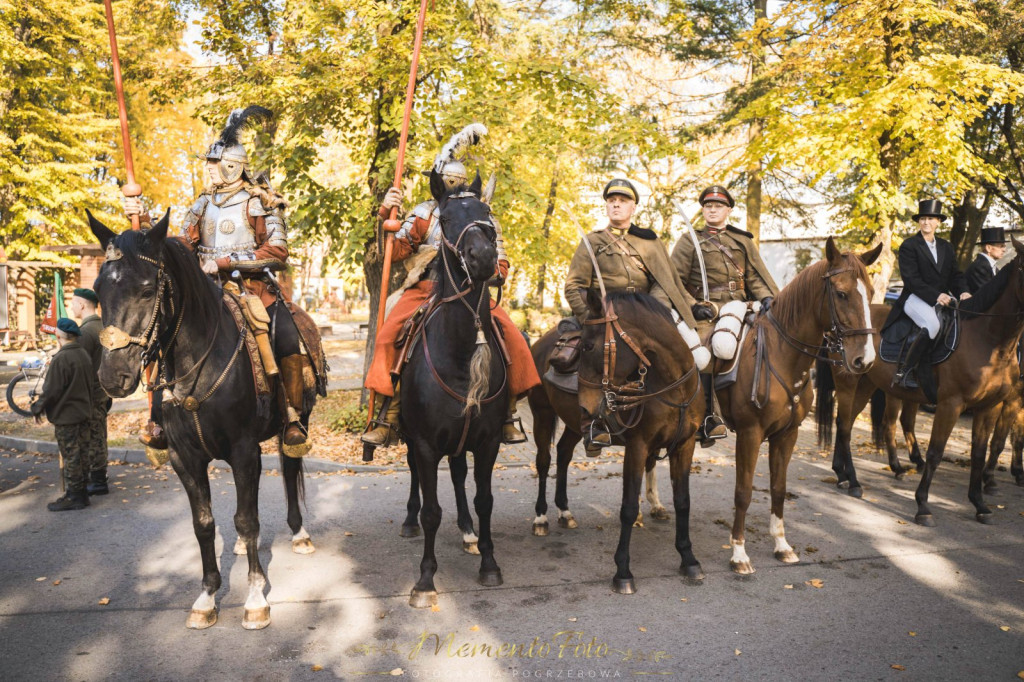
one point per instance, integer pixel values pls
(595, 437)
(153, 436)
(512, 429)
(97, 484)
(385, 430)
(72, 500)
(915, 354)
(712, 428)
(292, 368)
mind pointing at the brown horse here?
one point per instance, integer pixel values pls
(827, 301)
(980, 375)
(638, 375)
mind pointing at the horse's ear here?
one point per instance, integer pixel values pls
(437, 188)
(595, 303)
(477, 187)
(158, 232)
(832, 252)
(102, 232)
(869, 257)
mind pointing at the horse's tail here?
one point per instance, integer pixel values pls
(825, 385)
(878, 419)
(479, 377)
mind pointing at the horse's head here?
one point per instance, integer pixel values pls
(848, 305)
(470, 238)
(130, 286)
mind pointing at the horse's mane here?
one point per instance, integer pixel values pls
(985, 297)
(199, 295)
(642, 301)
(799, 298)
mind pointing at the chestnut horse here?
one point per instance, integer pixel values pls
(980, 374)
(827, 301)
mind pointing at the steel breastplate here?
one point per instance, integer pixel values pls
(225, 231)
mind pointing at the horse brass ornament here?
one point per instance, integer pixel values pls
(113, 338)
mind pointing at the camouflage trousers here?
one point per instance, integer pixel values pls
(72, 440)
(96, 442)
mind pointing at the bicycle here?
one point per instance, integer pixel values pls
(27, 384)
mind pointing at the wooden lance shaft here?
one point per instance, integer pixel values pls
(392, 225)
(130, 187)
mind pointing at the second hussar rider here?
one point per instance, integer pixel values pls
(239, 219)
(631, 259)
(419, 239)
(735, 272)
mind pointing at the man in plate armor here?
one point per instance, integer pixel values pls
(237, 223)
(419, 240)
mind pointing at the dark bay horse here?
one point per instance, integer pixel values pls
(454, 387)
(156, 300)
(827, 301)
(639, 376)
(980, 375)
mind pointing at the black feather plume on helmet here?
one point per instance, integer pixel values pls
(242, 119)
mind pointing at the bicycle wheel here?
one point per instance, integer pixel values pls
(20, 392)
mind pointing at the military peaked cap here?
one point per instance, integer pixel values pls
(623, 187)
(716, 193)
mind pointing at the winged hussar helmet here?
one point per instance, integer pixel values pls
(227, 150)
(447, 163)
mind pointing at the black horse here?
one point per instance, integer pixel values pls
(155, 297)
(454, 387)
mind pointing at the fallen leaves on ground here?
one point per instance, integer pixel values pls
(475, 628)
(1004, 628)
(56, 582)
(104, 601)
(317, 668)
(738, 652)
(40, 579)
(815, 582)
(897, 666)
(642, 628)
(397, 672)
(787, 587)
(912, 633)
(435, 608)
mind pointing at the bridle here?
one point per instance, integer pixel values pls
(834, 337)
(620, 398)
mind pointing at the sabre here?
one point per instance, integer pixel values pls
(130, 187)
(700, 254)
(392, 225)
(593, 256)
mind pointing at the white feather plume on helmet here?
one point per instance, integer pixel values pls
(447, 162)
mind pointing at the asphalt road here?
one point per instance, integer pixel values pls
(895, 601)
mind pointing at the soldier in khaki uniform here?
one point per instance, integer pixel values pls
(631, 259)
(735, 272)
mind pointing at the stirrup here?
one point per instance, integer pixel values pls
(515, 434)
(391, 438)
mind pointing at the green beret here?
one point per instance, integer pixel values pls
(68, 326)
(623, 187)
(88, 294)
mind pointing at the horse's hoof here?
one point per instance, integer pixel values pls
(985, 518)
(693, 575)
(240, 547)
(857, 492)
(410, 531)
(900, 475)
(741, 567)
(623, 585)
(842, 485)
(200, 620)
(490, 578)
(660, 514)
(303, 546)
(925, 520)
(568, 522)
(788, 557)
(423, 600)
(256, 619)
(470, 548)
(540, 530)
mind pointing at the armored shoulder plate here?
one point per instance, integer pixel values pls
(256, 208)
(194, 214)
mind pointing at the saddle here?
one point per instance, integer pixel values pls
(896, 338)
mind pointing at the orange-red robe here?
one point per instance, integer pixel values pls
(522, 374)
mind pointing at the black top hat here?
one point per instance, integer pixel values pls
(929, 207)
(993, 235)
(621, 186)
(716, 193)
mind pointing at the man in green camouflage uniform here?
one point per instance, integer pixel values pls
(83, 306)
(67, 400)
(735, 272)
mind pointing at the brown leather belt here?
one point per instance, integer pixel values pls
(731, 286)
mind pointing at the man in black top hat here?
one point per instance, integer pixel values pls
(993, 247)
(930, 278)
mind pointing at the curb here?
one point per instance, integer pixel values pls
(272, 462)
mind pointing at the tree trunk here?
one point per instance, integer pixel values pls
(968, 219)
(754, 179)
(546, 232)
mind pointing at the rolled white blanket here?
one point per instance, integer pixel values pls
(701, 355)
(726, 335)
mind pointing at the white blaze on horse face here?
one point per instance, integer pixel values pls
(206, 602)
(778, 531)
(739, 553)
(869, 342)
